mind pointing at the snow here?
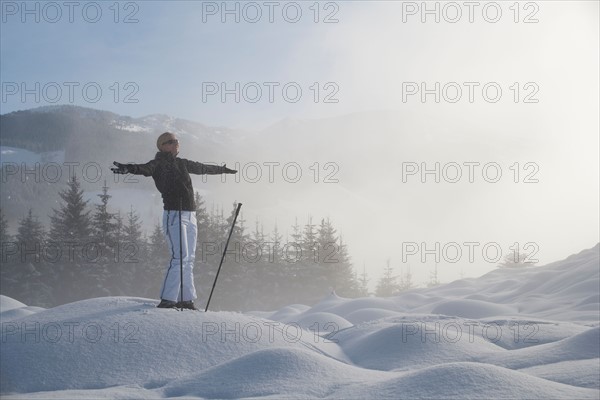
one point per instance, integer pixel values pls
(12, 309)
(471, 308)
(21, 156)
(575, 373)
(7, 304)
(129, 126)
(513, 333)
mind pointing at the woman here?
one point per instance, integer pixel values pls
(171, 175)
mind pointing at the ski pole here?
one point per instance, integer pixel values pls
(237, 211)
(180, 257)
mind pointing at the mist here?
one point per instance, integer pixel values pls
(447, 134)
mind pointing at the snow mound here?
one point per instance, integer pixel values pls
(343, 308)
(320, 321)
(17, 313)
(369, 314)
(7, 304)
(582, 346)
(412, 344)
(271, 372)
(288, 312)
(11, 309)
(112, 341)
(582, 373)
(465, 380)
(565, 290)
(520, 333)
(472, 309)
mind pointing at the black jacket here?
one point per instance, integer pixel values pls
(172, 178)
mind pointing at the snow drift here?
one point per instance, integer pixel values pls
(519, 333)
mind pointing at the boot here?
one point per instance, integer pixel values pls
(189, 305)
(167, 304)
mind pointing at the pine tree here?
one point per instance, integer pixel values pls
(309, 243)
(327, 242)
(71, 223)
(132, 275)
(118, 252)
(31, 237)
(202, 217)
(104, 225)
(70, 231)
(233, 292)
(291, 267)
(330, 263)
(253, 251)
(406, 282)
(5, 244)
(4, 236)
(295, 247)
(363, 283)
(275, 272)
(311, 276)
(156, 262)
(387, 285)
(220, 226)
(211, 238)
(34, 279)
(132, 231)
(210, 250)
(9, 267)
(433, 277)
(345, 278)
(258, 235)
(255, 267)
(158, 243)
(276, 247)
(119, 227)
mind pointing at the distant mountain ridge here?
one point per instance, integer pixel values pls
(85, 142)
(87, 134)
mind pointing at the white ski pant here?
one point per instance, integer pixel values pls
(187, 238)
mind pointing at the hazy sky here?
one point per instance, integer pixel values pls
(166, 57)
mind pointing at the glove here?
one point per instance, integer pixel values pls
(120, 168)
(228, 171)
